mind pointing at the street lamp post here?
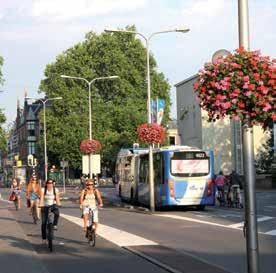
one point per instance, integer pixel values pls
(89, 83)
(147, 40)
(44, 129)
(251, 227)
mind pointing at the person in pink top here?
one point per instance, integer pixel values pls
(220, 183)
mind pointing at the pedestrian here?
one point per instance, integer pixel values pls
(83, 182)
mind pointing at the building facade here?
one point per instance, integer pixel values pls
(24, 135)
(224, 137)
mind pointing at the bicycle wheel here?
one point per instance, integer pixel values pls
(50, 236)
(92, 238)
(16, 203)
(34, 214)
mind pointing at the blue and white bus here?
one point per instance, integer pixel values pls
(183, 176)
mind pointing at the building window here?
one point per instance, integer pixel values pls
(172, 140)
(31, 148)
(31, 125)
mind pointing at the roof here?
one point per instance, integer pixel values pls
(186, 80)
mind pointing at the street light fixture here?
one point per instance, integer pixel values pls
(89, 105)
(43, 101)
(147, 40)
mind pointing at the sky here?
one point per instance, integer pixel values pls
(34, 32)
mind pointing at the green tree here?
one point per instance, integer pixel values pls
(3, 140)
(118, 106)
(264, 155)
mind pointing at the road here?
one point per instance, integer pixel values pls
(133, 240)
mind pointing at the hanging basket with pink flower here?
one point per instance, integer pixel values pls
(151, 133)
(90, 146)
(241, 86)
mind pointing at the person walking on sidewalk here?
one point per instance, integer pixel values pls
(50, 199)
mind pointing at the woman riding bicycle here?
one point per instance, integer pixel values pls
(88, 200)
(33, 194)
(16, 190)
(50, 199)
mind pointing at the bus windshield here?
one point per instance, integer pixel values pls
(190, 163)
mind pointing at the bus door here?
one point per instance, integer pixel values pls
(143, 180)
(159, 192)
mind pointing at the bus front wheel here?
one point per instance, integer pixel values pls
(200, 207)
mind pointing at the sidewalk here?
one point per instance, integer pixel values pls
(16, 252)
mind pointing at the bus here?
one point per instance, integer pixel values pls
(183, 176)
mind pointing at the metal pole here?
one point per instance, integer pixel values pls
(151, 178)
(45, 143)
(90, 127)
(63, 177)
(248, 156)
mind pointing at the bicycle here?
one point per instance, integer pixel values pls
(236, 197)
(50, 226)
(221, 196)
(34, 213)
(91, 229)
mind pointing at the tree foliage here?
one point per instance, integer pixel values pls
(3, 140)
(264, 157)
(118, 106)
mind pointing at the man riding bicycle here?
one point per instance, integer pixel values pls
(89, 198)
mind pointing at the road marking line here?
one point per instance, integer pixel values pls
(237, 226)
(190, 219)
(114, 235)
(271, 232)
(261, 219)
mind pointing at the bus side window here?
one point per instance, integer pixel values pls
(143, 172)
(158, 169)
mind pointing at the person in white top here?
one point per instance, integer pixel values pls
(50, 199)
(89, 198)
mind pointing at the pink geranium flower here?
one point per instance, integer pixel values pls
(242, 86)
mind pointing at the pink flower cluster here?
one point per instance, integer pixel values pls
(151, 133)
(241, 85)
(88, 146)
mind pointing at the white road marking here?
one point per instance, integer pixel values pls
(237, 226)
(114, 235)
(190, 219)
(271, 232)
(261, 219)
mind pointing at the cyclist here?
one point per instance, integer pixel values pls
(89, 198)
(220, 183)
(16, 190)
(50, 199)
(235, 185)
(33, 194)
